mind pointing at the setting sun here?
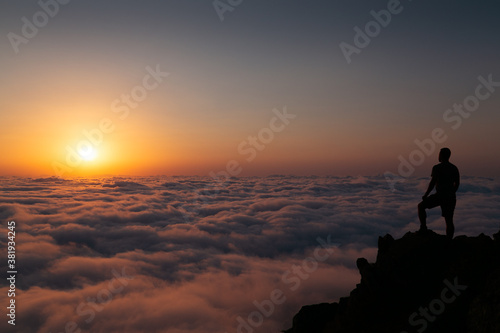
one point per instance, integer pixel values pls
(88, 154)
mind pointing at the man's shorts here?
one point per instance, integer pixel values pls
(447, 203)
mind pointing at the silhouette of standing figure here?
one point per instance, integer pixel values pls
(446, 179)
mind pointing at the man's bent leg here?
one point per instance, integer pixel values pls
(422, 216)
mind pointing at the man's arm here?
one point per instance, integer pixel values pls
(456, 183)
(430, 188)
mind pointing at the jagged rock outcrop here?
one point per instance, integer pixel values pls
(423, 282)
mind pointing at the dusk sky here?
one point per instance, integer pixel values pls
(324, 118)
(226, 77)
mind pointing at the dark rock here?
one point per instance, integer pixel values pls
(313, 317)
(362, 265)
(385, 243)
(457, 281)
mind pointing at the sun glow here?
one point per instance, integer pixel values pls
(88, 154)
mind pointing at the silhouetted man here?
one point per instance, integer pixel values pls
(446, 179)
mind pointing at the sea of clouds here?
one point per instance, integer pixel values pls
(154, 254)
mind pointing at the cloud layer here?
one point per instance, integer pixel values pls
(188, 254)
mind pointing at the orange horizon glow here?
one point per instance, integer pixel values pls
(177, 128)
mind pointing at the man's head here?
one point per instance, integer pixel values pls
(444, 155)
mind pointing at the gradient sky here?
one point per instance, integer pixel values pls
(227, 76)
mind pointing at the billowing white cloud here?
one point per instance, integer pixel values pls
(199, 255)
